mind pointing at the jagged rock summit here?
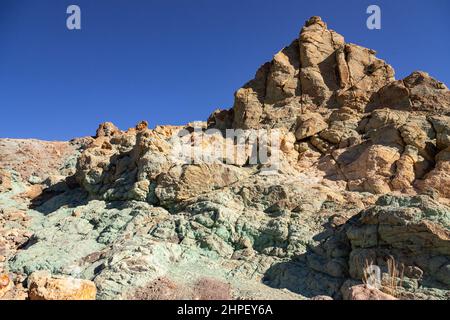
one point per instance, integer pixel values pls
(373, 132)
(319, 71)
(363, 180)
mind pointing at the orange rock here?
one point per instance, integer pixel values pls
(5, 181)
(5, 284)
(43, 286)
(363, 292)
(33, 158)
(33, 191)
(106, 129)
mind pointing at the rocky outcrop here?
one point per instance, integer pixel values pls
(42, 286)
(417, 92)
(5, 284)
(317, 70)
(309, 124)
(376, 134)
(148, 165)
(183, 183)
(363, 292)
(35, 161)
(361, 179)
(5, 181)
(438, 179)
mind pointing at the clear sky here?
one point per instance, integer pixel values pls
(175, 61)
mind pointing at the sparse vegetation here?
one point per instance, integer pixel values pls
(394, 279)
(389, 282)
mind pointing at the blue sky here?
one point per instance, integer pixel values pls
(175, 61)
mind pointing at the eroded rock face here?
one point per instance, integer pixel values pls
(382, 135)
(362, 178)
(438, 179)
(417, 92)
(309, 124)
(418, 225)
(363, 292)
(144, 165)
(42, 286)
(182, 183)
(317, 70)
(5, 181)
(36, 160)
(5, 284)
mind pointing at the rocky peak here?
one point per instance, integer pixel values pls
(315, 20)
(338, 99)
(417, 92)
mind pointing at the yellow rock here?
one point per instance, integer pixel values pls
(43, 286)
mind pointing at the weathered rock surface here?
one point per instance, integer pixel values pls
(382, 135)
(438, 179)
(363, 292)
(363, 178)
(417, 92)
(317, 70)
(36, 160)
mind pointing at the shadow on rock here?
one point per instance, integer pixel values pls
(66, 193)
(298, 277)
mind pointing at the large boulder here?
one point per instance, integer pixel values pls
(43, 286)
(407, 238)
(5, 284)
(438, 179)
(417, 92)
(309, 124)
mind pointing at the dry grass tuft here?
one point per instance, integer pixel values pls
(392, 280)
